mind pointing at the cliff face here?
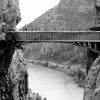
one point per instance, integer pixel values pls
(92, 82)
(19, 76)
(10, 11)
(13, 72)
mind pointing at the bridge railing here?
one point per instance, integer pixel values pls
(70, 36)
(88, 39)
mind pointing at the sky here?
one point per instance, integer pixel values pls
(31, 9)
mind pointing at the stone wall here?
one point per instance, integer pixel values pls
(19, 75)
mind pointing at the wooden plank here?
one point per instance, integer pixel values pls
(57, 36)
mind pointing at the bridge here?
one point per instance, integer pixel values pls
(89, 39)
(86, 39)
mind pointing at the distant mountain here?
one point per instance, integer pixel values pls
(68, 15)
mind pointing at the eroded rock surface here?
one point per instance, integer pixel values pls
(19, 76)
(13, 77)
(10, 11)
(9, 16)
(92, 82)
(13, 71)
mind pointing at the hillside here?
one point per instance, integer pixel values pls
(68, 15)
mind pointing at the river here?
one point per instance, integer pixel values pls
(54, 85)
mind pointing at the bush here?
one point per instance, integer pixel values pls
(34, 96)
(79, 77)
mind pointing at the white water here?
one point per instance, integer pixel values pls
(53, 85)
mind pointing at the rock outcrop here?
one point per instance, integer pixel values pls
(19, 76)
(92, 82)
(13, 71)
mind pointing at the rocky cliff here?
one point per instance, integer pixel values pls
(92, 82)
(13, 71)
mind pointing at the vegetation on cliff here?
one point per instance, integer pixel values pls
(34, 96)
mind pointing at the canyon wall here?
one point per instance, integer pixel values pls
(92, 82)
(13, 71)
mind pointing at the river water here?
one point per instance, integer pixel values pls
(53, 85)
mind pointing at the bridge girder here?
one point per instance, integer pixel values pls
(87, 39)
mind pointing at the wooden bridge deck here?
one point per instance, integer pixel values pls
(84, 36)
(88, 39)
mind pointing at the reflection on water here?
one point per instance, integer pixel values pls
(53, 85)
